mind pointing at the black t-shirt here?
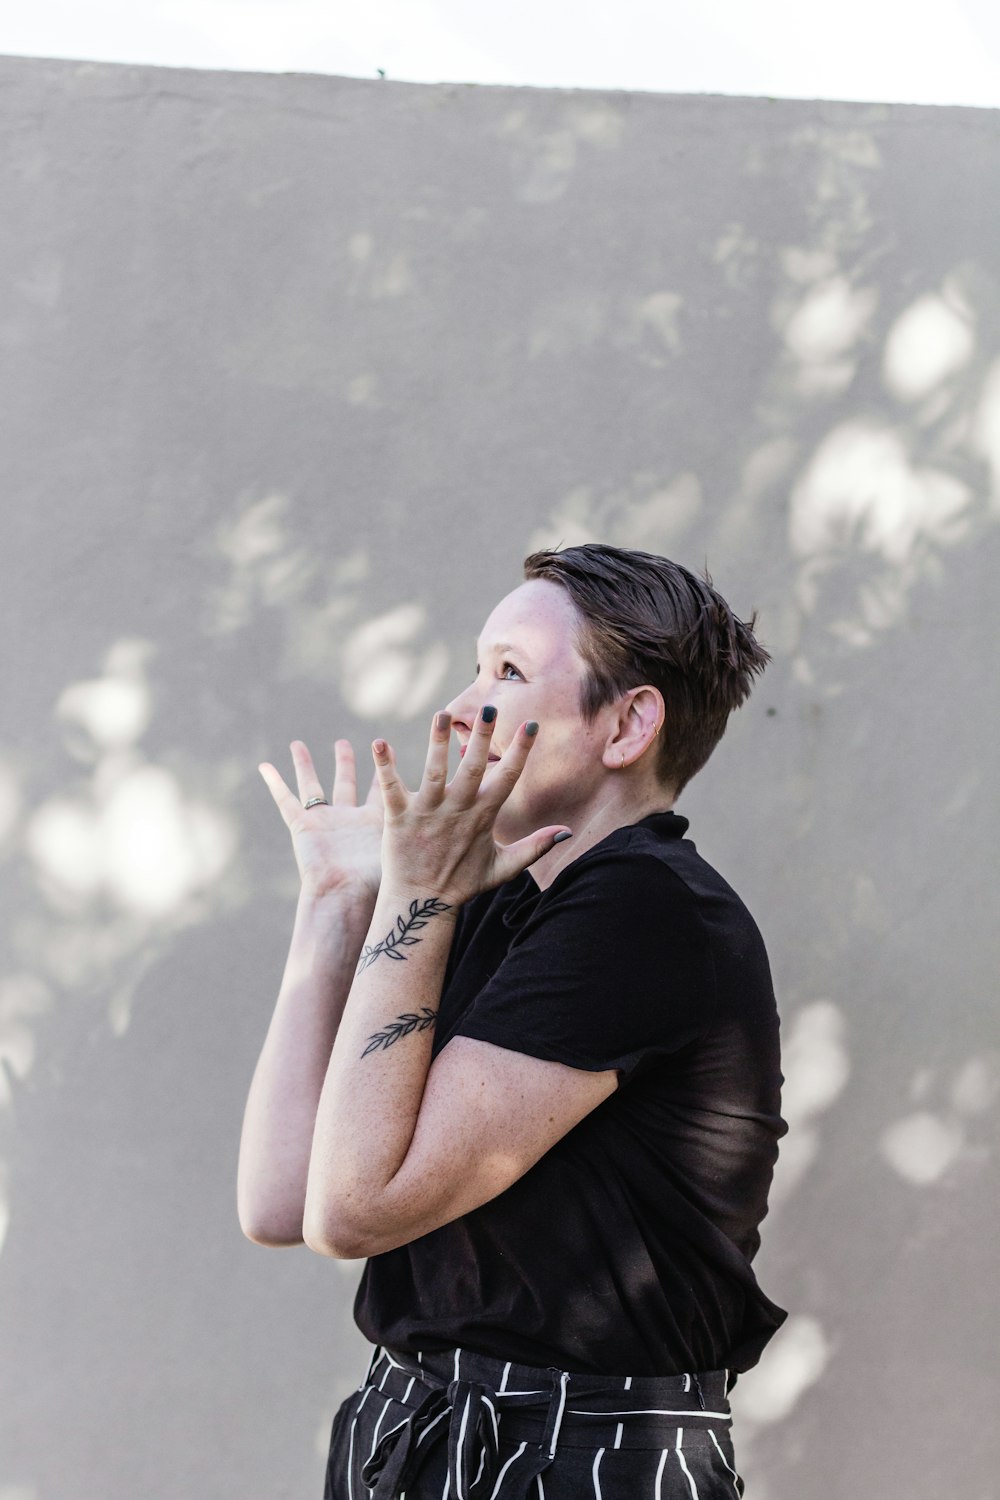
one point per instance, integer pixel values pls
(626, 1248)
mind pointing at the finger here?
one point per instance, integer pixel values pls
(288, 805)
(513, 858)
(374, 798)
(506, 773)
(476, 757)
(345, 776)
(395, 797)
(435, 777)
(308, 781)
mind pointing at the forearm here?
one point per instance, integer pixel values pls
(280, 1113)
(378, 1067)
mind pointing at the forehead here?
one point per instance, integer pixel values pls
(540, 618)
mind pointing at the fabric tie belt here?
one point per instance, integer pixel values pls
(467, 1410)
(470, 1410)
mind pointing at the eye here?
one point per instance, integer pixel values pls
(509, 667)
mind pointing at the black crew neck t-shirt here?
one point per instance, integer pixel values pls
(626, 1248)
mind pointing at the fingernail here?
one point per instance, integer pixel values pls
(442, 722)
(531, 727)
(489, 714)
(560, 836)
(379, 747)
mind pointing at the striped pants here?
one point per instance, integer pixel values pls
(458, 1425)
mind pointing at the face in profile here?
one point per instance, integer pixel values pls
(528, 667)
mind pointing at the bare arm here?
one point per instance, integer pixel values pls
(402, 1146)
(281, 1109)
(336, 847)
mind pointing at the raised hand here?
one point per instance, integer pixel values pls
(336, 843)
(439, 839)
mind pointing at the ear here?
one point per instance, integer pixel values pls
(639, 718)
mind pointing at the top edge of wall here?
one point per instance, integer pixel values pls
(157, 73)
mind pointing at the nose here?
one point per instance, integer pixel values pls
(464, 707)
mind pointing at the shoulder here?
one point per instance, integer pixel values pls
(610, 960)
(644, 884)
(630, 866)
(615, 904)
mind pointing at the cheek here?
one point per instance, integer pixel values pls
(566, 742)
(555, 764)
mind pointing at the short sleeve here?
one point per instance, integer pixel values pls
(611, 969)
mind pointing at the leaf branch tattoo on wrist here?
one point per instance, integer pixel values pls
(401, 936)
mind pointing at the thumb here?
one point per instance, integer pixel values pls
(514, 858)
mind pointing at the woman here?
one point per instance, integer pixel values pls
(525, 1060)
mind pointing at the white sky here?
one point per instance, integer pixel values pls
(898, 51)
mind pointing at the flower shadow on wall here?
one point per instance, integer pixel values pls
(123, 856)
(130, 851)
(939, 1132)
(383, 663)
(905, 473)
(869, 452)
(881, 435)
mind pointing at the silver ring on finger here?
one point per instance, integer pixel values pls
(317, 802)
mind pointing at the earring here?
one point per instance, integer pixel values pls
(623, 759)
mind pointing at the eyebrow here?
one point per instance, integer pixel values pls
(500, 646)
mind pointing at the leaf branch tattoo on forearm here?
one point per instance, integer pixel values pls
(401, 1026)
(401, 936)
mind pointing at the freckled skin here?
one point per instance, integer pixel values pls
(539, 621)
(573, 774)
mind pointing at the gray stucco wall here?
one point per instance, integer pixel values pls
(296, 370)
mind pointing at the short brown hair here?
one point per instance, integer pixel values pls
(649, 620)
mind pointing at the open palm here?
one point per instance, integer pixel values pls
(336, 844)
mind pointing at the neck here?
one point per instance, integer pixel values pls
(601, 818)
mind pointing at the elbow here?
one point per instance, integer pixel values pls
(272, 1229)
(271, 1237)
(335, 1233)
(355, 1222)
(338, 1241)
(337, 1247)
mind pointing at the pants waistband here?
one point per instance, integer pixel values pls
(460, 1395)
(698, 1391)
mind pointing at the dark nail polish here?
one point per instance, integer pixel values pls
(561, 836)
(531, 728)
(489, 714)
(442, 722)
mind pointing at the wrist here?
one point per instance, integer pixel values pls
(338, 903)
(399, 894)
(407, 917)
